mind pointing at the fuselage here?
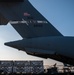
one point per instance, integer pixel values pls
(57, 46)
(61, 45)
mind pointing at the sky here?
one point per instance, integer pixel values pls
(60, 13)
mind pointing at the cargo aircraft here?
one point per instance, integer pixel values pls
(40, 37)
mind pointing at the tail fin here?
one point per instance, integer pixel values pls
(27, 21)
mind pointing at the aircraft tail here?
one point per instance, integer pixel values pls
(27, 21)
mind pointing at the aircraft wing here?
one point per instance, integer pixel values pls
(26, 20)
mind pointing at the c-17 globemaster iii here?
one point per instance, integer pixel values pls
(40, 37)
